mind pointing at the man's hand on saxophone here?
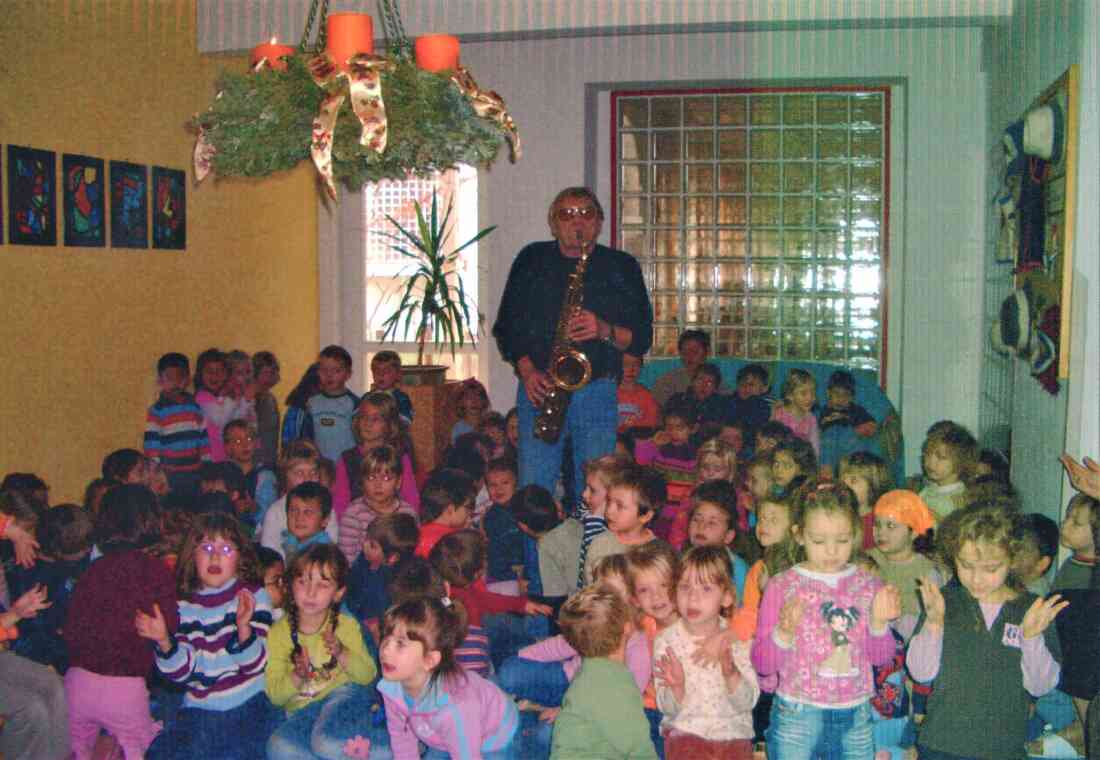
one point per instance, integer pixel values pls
(535, 382)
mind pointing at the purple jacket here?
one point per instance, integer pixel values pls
(465, 716)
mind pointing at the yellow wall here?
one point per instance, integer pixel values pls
(82, 327)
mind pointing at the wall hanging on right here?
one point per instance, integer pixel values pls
(1039, 210)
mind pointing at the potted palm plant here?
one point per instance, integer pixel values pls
(433, 302)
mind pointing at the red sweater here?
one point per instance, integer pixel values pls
(479, 600)
(99, 630)
(430, 533)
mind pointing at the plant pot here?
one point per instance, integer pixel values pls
(423, 374)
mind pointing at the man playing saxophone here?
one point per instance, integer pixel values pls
(541, 320)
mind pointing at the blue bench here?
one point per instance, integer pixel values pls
(869, 394)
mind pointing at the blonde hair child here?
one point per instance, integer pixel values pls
(799, 396)
(598, 476)
(601, 713)
(541, 672)
(707, 710)
(869, 478)
(985, 645)
(715, 460)
(822, 626)
(376, 423)
(653, 569)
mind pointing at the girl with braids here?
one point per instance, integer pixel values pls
(428, 695)
(317, 664)
(220, 648)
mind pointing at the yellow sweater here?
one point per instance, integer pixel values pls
(280, 687)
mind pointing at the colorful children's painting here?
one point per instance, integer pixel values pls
(85, 225)
(169, 208)
(129, 205)
(32, 197)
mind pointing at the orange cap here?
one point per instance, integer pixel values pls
(908, 508)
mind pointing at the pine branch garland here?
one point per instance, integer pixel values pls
(262, 123)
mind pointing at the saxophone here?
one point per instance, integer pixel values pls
(569, 370)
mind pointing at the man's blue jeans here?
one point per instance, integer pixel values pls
(591, 421)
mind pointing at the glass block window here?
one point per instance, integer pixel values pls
(758, 216)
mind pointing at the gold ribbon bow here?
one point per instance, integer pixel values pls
(489, 105)
(364, 77)
(204, 154)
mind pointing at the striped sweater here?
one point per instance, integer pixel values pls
(220, 672)
(175, 433)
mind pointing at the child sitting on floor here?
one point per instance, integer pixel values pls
(389, 540)
(460, 559)
(601, 713)
(446, 505)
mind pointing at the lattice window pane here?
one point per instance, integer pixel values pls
(386, 269)
(760, 217)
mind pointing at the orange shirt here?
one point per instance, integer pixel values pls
(744, 618)
(649, 628)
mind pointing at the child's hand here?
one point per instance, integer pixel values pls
(534, 608)
(886, 606)
(375, 628)
(357, 748)
(1084, 476)
(154, 628)
(669, 671)
(26, 548)
(710, 649)
(730, 671)
(790, 615)
(932, 599)
(30, 603)
(1041, 614)
(246, 607)
(549, 714)
(660, 438)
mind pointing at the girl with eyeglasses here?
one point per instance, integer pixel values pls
(219, 651)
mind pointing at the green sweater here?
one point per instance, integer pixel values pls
(602, 716)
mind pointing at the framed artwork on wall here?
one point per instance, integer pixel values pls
(169, 208)
(83, 201)
(129, 205)
(32, 196)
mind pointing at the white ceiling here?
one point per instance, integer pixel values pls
(240, 24)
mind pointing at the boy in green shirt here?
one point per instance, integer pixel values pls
(601, 714)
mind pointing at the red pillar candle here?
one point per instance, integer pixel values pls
(437, 52)
(273, 53)
(348, 35)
